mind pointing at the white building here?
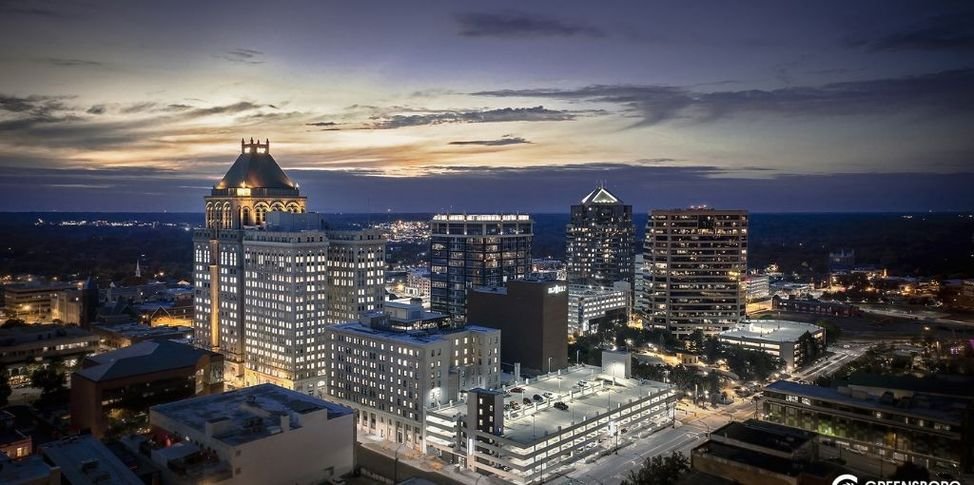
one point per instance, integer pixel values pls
(581, 413)
(356, 273)
(419, 280)
(285, 305)
(591, 306)
(780, 338)
(758, 287)
(260, 434)
(392, 369)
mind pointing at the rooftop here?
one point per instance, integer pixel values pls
(533, 422)
(139, 330)
(27, 470)
(765, 435)
(771, 330)
(83, 459)
(142, 358)
(951, 385)
(482, 217)
(421, 337)
(33, 333)
(939, 408)
(247, 414)
(601, 195)
(255, 168)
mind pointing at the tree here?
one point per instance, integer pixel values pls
(5, 390)
(832, 331)
(50, 380)
(659, 470)
(696, 340)
(910, 471)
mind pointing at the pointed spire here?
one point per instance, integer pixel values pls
(138, 269)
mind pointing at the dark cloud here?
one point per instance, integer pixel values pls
(243, 56)
(946, 92)
(96, 109)
(60, 62)
(940, 32)
(520, 25)
(644, 183)
(322, 123)
(536, 113)
(507, 140)
(138, 108)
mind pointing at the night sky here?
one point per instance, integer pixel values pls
(478, 106)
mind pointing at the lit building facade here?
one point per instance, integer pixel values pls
(392, 369)
(356, 269)
(468, 250)
(591, 307)
(695, 265)
(263, 268)
(601, 241)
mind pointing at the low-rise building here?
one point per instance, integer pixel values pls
(132, 379)
(391, 370)
(933, 431)
(815, 307)
(13, 442)
(28, 471)
(117, 335)
(795, 343)
(83, 460)
(591, 307)
(761, 453)
(535, 430)
(23, 348)
(259, 434)
(31, 302)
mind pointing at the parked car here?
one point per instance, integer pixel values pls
(538, 398)
(561, 405)
(527, 401)
(547, 394)
(517, 389)
(515, 405)
(582, 383)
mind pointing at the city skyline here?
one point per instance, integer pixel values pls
(436, 106)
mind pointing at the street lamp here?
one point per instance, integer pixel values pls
(549, 364)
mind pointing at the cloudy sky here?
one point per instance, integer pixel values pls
(427, 106)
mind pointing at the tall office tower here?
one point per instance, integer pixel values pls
(356, 273)
(285, 302)
(601, 241)
(262, 270)
(696, 260)
(254, 186)
(476, 250)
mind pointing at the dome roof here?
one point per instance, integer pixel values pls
(255, 168)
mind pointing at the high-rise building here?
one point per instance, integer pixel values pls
(601, 241)
(591, 308)
(356, 273)
(696, 260)
(476, 250)
(262, 275)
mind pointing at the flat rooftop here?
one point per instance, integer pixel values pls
(265, 403)
(531, 422)
(417, 337)
(765, 435)
(139, 330)
(771, 330)
(937, 408)
(40, 333)
(83, 459)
